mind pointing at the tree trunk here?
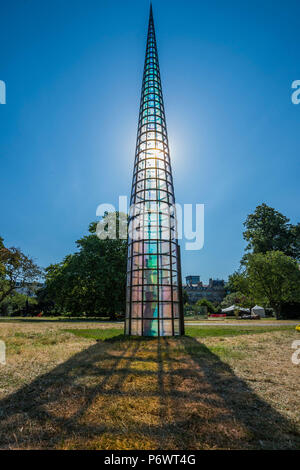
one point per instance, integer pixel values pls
(112, 315)
(277, 308)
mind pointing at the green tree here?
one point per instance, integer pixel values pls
(206, 303)
(269, 230)
(16, 270)
(16, 304)
(185, 297)
(237, 298)
(91, 281)
(274, 277)
(238, 282)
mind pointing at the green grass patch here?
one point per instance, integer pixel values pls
(55, 319)
(219, 331)
(193, 331)
(97, 333)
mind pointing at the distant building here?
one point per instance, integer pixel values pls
(196, 290)
(192, 280)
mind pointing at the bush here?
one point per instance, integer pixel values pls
(206, 303)
(236, 298)
(18, 305)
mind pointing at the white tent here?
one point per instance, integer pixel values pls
(235, 307)
(228, 309)
(257, 310)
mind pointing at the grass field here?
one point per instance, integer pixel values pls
(86, 386)
(193, 331)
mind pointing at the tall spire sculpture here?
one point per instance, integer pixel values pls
(154, 289)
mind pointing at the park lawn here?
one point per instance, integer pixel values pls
(93, 388)
(64, 319)
(193, 331)
(238, 321)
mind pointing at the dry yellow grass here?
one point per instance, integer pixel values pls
(60, 391)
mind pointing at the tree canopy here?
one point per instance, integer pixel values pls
(91, 281)
(16, 270)
(237, 298)
(269, 230)
(269, 272)
(206, 303)
(273, 276)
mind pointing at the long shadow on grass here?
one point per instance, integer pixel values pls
(109, 389)
(220, 410)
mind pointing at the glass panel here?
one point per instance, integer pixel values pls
(176, 327)
(136, 293)
(150, 276)
(150, 261)
(136, 309)
(150, 327)
(173, 249)
(176, 310)
(174, 278)
(136, 327)
(165, 310)
(165, 220)
(175, 294)
(161, 174)
(141, 175)
(151, 195)
(140, 186)
(164, 261)
(150, 173)
(162, 196)
(137, 248)
(165, 328)
(150, 184)
(150, 247)
(150, 309)
(153, 233)
(137, 262)
(164, 277)
(164, 233)
(137, 278)
(164, 247)
(165, 293)
(150, 293)
(151, 218)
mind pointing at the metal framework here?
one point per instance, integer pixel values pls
(154, 289)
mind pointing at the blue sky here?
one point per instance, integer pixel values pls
(73, 72)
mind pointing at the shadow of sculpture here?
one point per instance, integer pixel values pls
(110, 388)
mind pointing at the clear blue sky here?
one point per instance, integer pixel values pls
(73, 71)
